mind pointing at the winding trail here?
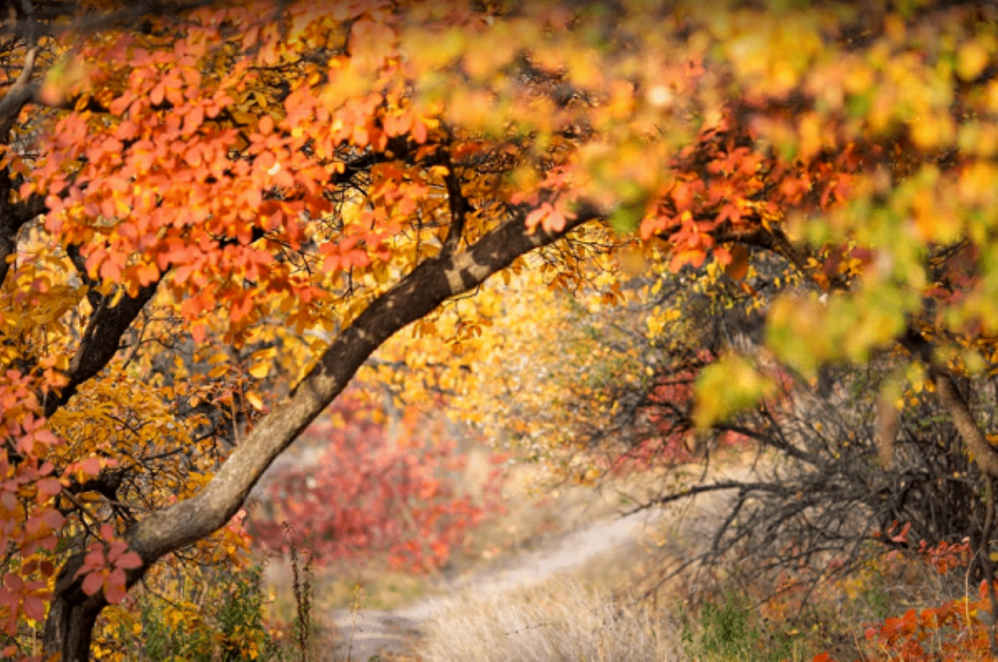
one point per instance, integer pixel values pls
(366, 633)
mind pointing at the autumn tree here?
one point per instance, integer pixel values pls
(213, 214)
(875, 255)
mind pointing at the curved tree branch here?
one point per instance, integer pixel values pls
(73, 613)
(970, 432)
(100, 342)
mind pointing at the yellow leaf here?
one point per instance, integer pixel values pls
(260, 370)
(971, 60)
(254, 399)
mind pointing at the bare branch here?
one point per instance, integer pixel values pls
(19, 94)
(100, 342)
(458, 208)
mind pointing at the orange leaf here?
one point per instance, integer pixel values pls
(193, 119)
(240, 308)
(156, 96)
(266, 125)
(722, 256)
(91, 466)
(419, 132)
(737, 268)
(255, 400)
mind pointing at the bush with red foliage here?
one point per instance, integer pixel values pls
(378, 490)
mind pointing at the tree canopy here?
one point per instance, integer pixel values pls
(213, 214)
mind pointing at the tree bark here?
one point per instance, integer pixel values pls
(949, 396)
(73, 614)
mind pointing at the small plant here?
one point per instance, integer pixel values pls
(359, 595)
(227, 625)
(303, 588)
(730, 629)
(875, 595)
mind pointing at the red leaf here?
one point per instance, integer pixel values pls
(92, 583)
(34, 608)
(50, 486)
(94, 559)
(129, 560)
(13, 582)
(114, 593)
(903, 536)
(53, 518)
(538, 215)
(116, 550)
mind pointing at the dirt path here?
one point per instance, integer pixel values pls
(367, 632)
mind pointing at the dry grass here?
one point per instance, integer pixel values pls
(561, 619)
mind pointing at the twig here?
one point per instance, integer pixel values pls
(985, 557)
(531, 627)
(458, 208)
